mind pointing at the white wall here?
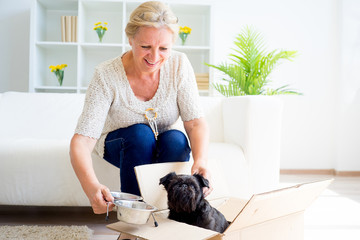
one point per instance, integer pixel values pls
(349, 85)
(320, 128)
(14, 45)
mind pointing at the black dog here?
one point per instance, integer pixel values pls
(187, 204)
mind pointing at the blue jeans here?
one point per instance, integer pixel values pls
(135, 145)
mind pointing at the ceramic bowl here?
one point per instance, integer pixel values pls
(125, 196)
(133, 211)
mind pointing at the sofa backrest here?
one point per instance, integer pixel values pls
(39, 115)
(213, 111)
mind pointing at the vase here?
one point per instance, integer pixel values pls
(100, 38)
(60, 76)
(183, 37)
(100, 34)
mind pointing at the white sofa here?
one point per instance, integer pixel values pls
(36, 128)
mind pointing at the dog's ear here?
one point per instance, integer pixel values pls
(166, 179)
(202, 181)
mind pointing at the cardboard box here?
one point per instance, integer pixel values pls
(275, 215)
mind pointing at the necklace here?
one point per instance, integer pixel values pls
(152, 121)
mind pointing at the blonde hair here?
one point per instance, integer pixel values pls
(152, 14)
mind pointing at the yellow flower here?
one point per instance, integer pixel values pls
(63, 66)
(100, 29)
(59, 72)
(57, 67)
(185, 30)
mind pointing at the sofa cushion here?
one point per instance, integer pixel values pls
(39, 172)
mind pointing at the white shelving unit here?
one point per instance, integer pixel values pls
(46, 47)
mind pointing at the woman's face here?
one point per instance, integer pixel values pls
(151, 48)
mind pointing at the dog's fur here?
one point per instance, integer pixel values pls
(187, 204)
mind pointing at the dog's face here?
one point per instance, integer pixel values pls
(184, 191)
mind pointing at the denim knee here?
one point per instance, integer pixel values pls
(137, 141)
(173, 146)
(142, 139)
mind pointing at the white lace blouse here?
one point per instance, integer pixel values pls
(110, 103)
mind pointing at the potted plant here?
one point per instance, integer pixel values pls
(248, 74)
(250, 67)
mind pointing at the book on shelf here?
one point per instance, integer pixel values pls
(69, 28)
(202, 80)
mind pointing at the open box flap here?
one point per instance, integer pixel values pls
(148, 177)
(230, 207)
(167, 229)
(271, 205)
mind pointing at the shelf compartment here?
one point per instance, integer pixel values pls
(48, 14)
(91, 56)
(49, 54)
(101, 11)
(197, 57)
(197, 17)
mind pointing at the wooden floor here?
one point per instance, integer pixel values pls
(334, 215)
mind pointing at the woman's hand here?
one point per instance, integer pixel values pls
(203, 171)
(80, 153)
(99, 196)
(198, 133)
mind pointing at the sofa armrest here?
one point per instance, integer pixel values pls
(254, 124)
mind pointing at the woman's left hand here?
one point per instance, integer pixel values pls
(203, 171)
(198, 133)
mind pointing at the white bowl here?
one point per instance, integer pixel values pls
(125, 196)
(133, 211)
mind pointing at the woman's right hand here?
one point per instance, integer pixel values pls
(99, 195)
(80, 153)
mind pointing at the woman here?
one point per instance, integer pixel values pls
(131, 104)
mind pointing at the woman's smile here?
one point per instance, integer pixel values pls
(152, 64)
